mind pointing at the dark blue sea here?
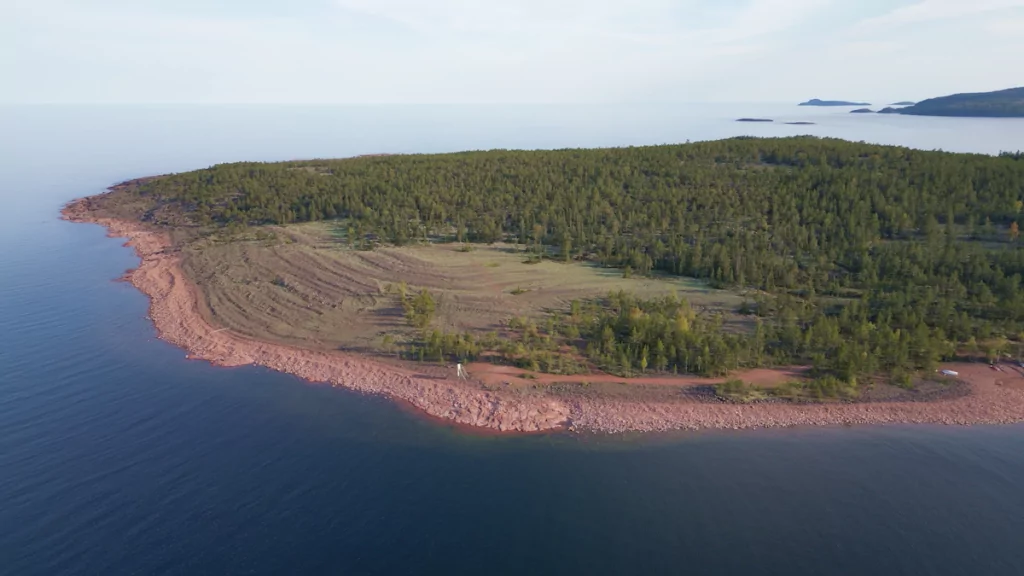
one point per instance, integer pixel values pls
(120, 456)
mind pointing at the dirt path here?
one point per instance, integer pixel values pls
(996, 397)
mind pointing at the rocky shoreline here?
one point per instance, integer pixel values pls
(175, 304)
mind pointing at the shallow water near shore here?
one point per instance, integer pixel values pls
(118, 455)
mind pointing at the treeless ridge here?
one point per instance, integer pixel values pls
(176, 308)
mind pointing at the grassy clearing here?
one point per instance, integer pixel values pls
(740, 392)
(926, 386)
(303, 285)
(815, 390)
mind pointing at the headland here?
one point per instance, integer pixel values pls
(537, 331)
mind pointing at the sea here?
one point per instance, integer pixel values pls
(118, 455)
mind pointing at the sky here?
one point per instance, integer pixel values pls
(505, 51)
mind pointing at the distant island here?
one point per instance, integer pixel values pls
(816, 102)
(999, 104)
(800, 123)
(1007, 103)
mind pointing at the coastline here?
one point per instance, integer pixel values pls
(994, 398)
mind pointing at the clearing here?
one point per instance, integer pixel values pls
(303, 285)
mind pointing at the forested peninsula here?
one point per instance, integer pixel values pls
(853, 271)
(999, 104)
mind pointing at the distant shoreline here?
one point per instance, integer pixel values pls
(176, 303)
(1007, 103)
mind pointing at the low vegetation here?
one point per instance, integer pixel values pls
(740, 392)
(824, 388)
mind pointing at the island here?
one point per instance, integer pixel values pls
(816, 102)
(889, 110)
(903, 103)
(999, 104)
(862, 111)
(800, 123)
(754, 120)
(741, 283)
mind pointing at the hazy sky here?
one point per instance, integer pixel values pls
(461, 51)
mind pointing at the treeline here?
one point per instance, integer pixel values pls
(838, 235)
(627, 335)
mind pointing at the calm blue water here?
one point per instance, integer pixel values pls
(118, 456)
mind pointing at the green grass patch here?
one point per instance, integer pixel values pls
(735, 390)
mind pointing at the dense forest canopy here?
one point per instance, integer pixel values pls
(866, 258)
(1002, 103)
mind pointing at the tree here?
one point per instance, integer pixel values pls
(538, 237)
(566, 247)
(388, 343)
(419, 311)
